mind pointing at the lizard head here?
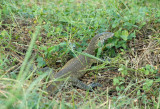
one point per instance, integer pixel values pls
(95, 41)
(103, 36)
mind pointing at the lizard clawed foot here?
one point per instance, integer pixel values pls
(93, 85)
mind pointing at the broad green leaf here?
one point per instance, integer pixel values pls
(40, 61)
(115, 81)
(124, 35)
(147, 72)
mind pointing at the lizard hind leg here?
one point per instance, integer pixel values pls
(81, 85)
(93, 85)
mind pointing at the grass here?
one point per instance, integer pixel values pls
(52, 32)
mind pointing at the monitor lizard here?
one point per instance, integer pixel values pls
(75, 68)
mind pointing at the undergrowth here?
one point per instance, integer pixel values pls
(52, 32)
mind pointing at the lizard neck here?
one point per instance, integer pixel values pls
(91, 47)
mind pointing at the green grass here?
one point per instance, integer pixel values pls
(52, 32)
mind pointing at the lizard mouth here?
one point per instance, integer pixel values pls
(110, 35)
